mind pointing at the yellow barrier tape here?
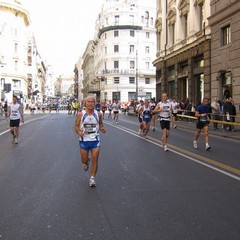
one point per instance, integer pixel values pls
(210, 120)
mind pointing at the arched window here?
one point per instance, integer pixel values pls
(146, 15)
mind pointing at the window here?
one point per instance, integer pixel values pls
(185, 20)
(148, 95)
(171, 88)
(117, 19)
(151, 20)
(105, 50)
(106, 21)
(16, 47)
(116, 64)
(132, 95)
(172, 34)
(116, 48)
(132, 64)
(16, 83)
(132, 33)
(116, 95)
(131, 17)
(147, 65)
(105, 35)
(131, 50)
(200, 16)
(116, 80)
(132, 80)
(142, 19)
(147, 49)
(226, 35)
(147, 15)
(16, 65)
(116, 33)
(105, 65)
(147, 80)
(146, 18)
(147, 34)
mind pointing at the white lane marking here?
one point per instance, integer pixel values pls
(129, 131)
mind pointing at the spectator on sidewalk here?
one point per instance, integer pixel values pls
(234, 113)
(189, 108)
(215, 112)
(5, 107)
(228, 111)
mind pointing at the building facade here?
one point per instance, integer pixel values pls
(90, 83)
(64, 87)
(183, 67)
(78, 79)
(124, 49)
(22, 70)
(225, 49)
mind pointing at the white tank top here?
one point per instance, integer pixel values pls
(165, 114)
(14, 111)
(174, 106)
(116, 106)
(90, 126)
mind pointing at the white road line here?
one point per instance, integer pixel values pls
(129, 131)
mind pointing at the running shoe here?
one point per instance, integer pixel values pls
(92, 182)
(207, 147)
(195, 144)
(153, 129)
(175, 126)
(86, 165)
(16, 141)
(165, 148)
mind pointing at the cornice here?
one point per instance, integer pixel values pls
(17, 9)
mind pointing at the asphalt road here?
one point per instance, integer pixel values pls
(142, 192)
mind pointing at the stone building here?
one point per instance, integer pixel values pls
(90, 83)
(183, 67)
(22, 71)
(124, 49)
(64, 86)
(225, 49)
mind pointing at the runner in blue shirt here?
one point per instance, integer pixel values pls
(202, 113)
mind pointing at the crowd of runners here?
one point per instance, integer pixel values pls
(90, 115)
(89, 123)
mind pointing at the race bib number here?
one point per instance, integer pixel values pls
(203, 119)
(90, 128)
(166, 108)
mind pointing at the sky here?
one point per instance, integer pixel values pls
(62, 29)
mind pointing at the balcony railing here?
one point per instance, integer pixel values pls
(118, 71)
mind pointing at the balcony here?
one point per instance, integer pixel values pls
(117, 71)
